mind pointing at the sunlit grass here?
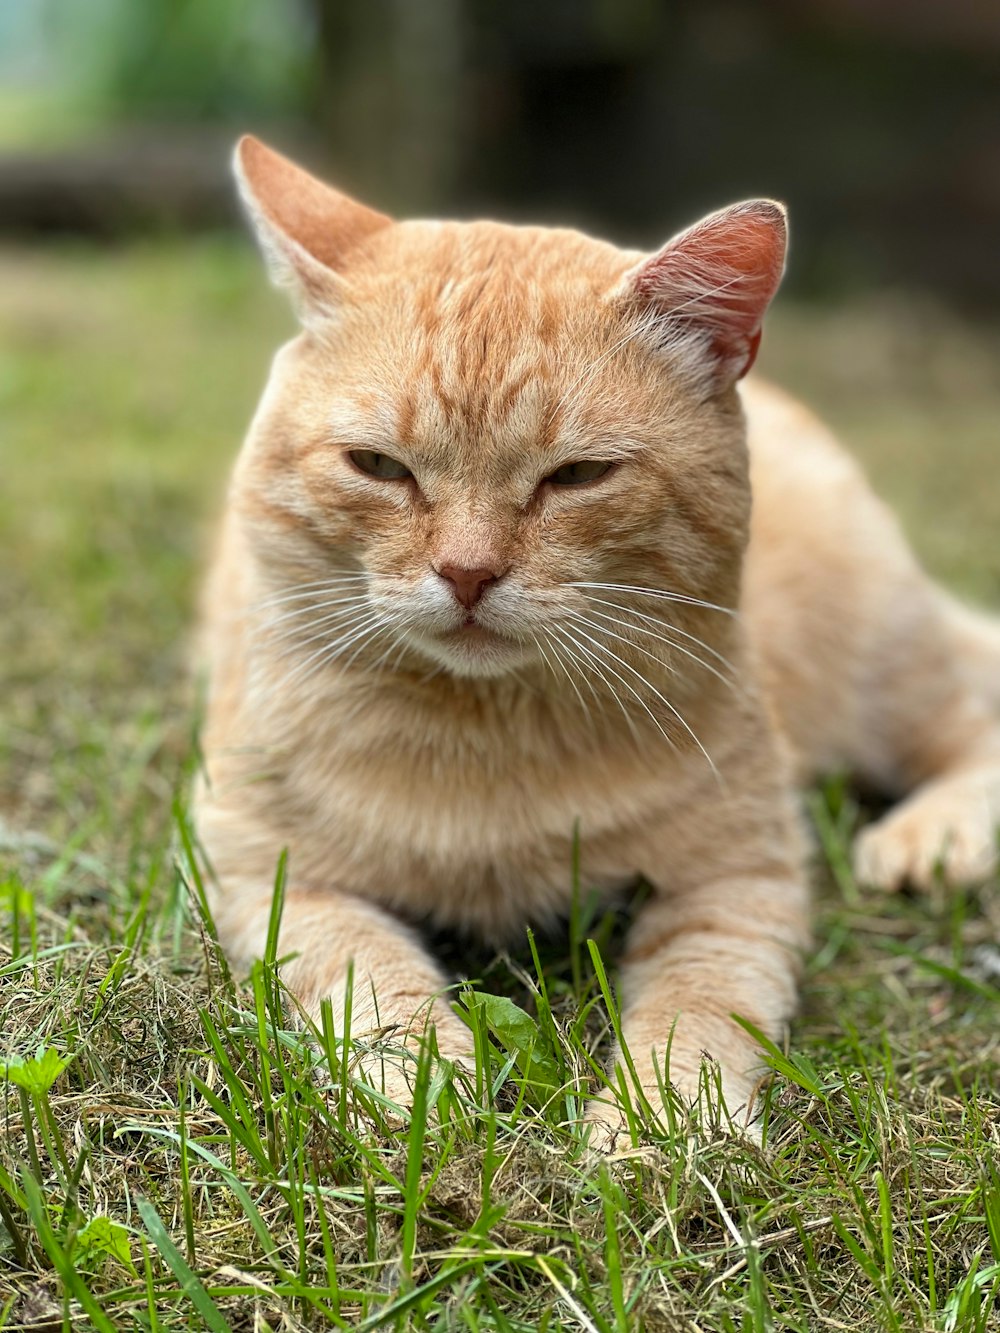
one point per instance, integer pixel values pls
(176, 1152)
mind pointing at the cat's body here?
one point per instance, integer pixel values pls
(422, 685)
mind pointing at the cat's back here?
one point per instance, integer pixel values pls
(825, 563)
(809, 498)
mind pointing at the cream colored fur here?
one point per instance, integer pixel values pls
(424, 769)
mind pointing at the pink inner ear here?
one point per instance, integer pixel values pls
(719, 277)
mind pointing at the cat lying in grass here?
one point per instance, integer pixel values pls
(489, 572)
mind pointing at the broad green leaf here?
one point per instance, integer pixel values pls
(36, 1074)
(101, 1239)
(518, 1033)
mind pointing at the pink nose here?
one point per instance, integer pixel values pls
(468, 585)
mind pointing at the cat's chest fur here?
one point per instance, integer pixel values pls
(465, 807)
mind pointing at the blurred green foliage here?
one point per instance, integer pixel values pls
(68, 67)
(190, 59)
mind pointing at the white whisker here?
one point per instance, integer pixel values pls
(576, 661)
(379, 629)
(657, 592)
(603, 647)
(598, 664)
(337, 650)
(565, 671)
(564, 633)
(398, 641)
(302, 611)
(300, 591)
(335, 621)
(328, 653)
(676, 647)
(667, 625)
(546, 659)
(332, 649)
(561, 648)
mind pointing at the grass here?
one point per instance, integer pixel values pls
(174, 1153)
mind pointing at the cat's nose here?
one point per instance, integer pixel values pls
(468, 585)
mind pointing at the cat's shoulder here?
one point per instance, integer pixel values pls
(788, 442)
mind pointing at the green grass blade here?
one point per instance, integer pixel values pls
(189, 1281)
(233, 1182)
(60, 1260)
(419, 1295)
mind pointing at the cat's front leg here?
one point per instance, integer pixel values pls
(398, 991)
(693, 959)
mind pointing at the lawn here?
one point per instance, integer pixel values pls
(173, 1155)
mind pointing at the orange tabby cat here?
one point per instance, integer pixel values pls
(478, 584)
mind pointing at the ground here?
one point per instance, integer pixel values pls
(195, 1164)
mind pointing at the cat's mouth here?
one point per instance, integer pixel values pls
(470, 630)
(471, 648)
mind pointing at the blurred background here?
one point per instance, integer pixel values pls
(136, 326)
(877, 120)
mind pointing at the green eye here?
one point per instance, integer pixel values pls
(383, 466)
(575, 474)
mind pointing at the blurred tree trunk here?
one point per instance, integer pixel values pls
(388, 97)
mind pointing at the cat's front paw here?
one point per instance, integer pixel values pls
(387, 1060)
(946, 830)
(724, 1101)
(605, 1128)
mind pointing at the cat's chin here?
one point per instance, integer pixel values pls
(477, 653)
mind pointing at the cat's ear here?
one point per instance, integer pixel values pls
(304, 228)
(707, 289)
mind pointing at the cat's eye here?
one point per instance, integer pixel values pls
(575, 474)
(382, 466)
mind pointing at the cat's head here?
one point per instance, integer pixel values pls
(492, 445)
